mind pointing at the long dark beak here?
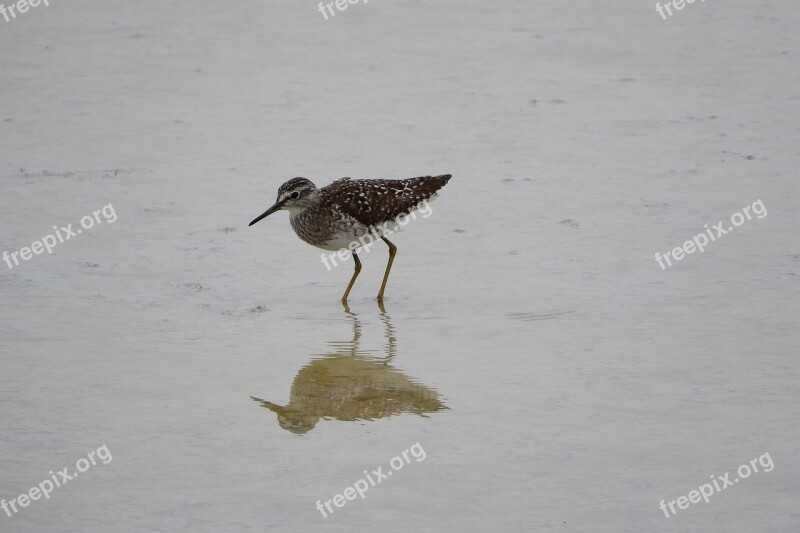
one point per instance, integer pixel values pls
(267, 213)
(269, 405)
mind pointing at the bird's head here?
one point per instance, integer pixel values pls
(291, 418)
(295, 195)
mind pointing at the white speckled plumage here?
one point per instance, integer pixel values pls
(336, 215)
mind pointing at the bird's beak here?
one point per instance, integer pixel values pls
(269, 405)
(267, 213)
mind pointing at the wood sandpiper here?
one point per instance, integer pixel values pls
(340, 215)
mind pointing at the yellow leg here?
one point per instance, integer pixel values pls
(392, 253)
(353, 279)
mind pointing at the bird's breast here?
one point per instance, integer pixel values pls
(330, 230)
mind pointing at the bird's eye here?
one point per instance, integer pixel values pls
(295, 195)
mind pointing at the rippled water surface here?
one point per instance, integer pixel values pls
(532, 367)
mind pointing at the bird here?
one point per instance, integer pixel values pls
(341, 215)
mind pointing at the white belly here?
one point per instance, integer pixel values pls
(349, 240)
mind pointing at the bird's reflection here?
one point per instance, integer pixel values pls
(351, 384)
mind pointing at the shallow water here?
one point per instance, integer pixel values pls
(554, 375)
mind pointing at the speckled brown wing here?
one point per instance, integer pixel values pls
(374, 202)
